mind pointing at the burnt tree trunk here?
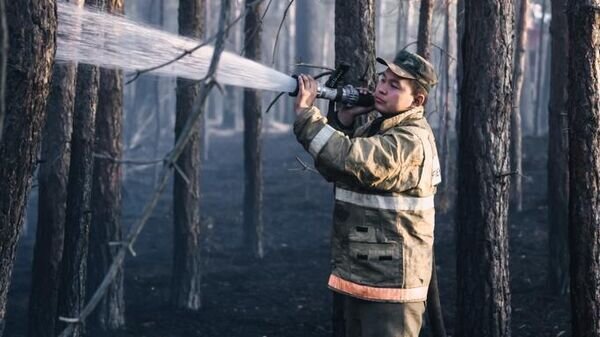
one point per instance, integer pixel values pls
(558, 155)
(584, 165)
(483, 301)
(355, 45)
(424, 36)
(106, 199)
(3, 59)
(186, 275)
(29, 68)
(253, 194)
(516, 152)
(52, 202)
(79, 194)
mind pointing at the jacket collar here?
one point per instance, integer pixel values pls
(388, 123)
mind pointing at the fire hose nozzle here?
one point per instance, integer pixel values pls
(347, 95)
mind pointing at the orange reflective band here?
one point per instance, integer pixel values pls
(377, 294)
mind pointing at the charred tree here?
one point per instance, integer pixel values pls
(79, 192)
(483, 303)
(355, 45)
(186, 275)
(52, 202)
(584, 165)
(3, 57)
(558, 155)
(424, 35)
(516, 141)
(106, 199)
(29, 69)
(253, 194)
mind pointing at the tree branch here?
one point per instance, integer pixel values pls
(279, 30)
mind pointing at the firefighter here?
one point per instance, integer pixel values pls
(385, 175)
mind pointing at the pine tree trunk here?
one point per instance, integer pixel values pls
(584, 165)
(515, 121)
(253, 195)
(355, 45)
(29, 69)
(79, 193)
(483, 301)
(106, 199)
(558, 156)
(424, 36)
(52, 202)
(186, 276)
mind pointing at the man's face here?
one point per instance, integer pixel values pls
(393, 94)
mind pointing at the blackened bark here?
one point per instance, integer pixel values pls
(355, 45)
(483, 178)
(515, 120)
(106, 199)
(355, 40)
(29, 68)
(79, 191)
(584, 165)
(558, 155)
(253, 194)
(186, 276)
(424, 35)
(3, 58)
(52, 177)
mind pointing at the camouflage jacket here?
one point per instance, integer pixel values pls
(385, 177)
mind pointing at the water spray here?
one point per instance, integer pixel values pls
(88, 35)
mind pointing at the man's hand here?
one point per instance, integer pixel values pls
(346, 115)
(307, 92)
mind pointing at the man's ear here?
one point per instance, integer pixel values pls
(419, 100)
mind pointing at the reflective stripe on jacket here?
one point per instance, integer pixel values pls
(384, 214)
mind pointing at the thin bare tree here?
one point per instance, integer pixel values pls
(71, 295)
(424, 35)
(253, 194)
(186, 276)
(516, 141)
(105, 227)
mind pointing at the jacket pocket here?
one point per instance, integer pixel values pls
(376, 263)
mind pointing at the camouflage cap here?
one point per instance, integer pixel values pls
(412, 66)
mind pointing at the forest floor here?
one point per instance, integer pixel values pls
(285, 294)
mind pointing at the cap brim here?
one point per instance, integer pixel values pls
(396, 69)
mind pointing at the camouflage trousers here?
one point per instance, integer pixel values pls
(377, 319)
